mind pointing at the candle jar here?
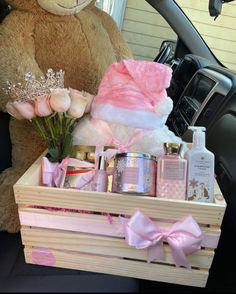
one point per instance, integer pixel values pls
(134, 173)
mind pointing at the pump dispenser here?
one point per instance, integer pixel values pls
(201, 165)
(199, 139)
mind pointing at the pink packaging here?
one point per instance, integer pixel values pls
(134, 173)
(171, 173)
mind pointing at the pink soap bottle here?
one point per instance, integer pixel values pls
(171, 173)
(100, 180)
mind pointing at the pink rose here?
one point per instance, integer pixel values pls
(42, 106)
(13, 111)
(89, 99)
(78, 104)
(60, 100)
(24, 109)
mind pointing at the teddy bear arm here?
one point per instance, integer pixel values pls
(121, 48)
(17, 51)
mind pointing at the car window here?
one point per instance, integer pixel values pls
(145, 29)
(141, 25)
(219, 33)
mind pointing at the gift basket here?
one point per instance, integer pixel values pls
(117, 192)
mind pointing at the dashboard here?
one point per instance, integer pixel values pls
(208, 98)
(200, 100)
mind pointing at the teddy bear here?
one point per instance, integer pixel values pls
(130, 110)
(72, 35)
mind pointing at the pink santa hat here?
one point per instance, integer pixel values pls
(133, 93)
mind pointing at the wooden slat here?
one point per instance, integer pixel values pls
(227, 47)
(148, 29)
(145, 17)
(140, 5)
(216, 32)
(219, 34)
(123, 267)
(229, 9)
(193, 4)
(96, 251)
(89, 223)
(144, 30)
(230, 65)
(202, 5)
(203, 17)
(205, 213)
(150, 41)
(101, 245)
(225, 56)
(146, 51)
(27, 192)
(140, 57)
(33, 175)
(140, 18)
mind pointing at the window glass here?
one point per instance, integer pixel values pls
(142, 27)
(219, 33)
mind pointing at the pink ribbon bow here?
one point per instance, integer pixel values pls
(111, 140)
(184, 237)
(53, 174)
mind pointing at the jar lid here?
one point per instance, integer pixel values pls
(172, 148)
(136, 155)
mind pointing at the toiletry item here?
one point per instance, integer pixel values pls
(76, 178)
(100, 180)
(201, 165)
(134, 173)
(171, 173)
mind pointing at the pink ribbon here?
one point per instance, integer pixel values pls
(53, 174)
(104, 128)
(184, 237)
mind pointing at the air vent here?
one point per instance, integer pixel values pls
(210, 109)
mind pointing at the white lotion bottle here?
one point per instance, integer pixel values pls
(100, 180)
(201, 168)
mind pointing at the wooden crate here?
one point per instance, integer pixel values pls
(61, 236)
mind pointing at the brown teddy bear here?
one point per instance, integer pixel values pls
(73, 35)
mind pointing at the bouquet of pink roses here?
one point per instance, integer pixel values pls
(52, 109)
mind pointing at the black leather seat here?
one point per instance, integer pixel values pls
(17, 276)
(5, 143)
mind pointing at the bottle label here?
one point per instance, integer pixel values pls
(174, 170)
(171, 178)
(200, 179)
